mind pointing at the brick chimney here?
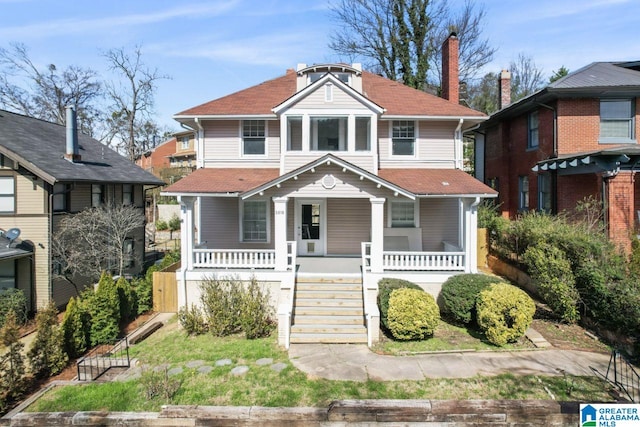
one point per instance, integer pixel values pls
(72, 152)
(504, 85)
(450, 72)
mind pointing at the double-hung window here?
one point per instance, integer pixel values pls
(127, 194)
(523, 193)
(184, 142)
(7, 194)
(616, 120)
(403, 214)
(253, 137)
(544, 193)
(60, 197)
(403, 138)
(255, 221)
(97, 195)
(532, 127)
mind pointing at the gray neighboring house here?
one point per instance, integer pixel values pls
(48, 171)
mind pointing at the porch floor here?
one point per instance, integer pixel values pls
(329, 266)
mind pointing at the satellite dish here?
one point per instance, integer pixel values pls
(12, 234)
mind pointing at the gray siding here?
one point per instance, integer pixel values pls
(439, 219)
(348, 224)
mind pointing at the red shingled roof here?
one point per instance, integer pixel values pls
(223, 180)
(436, 181)
(417, 181)
(395, 97)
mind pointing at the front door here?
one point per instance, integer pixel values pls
(310, 227)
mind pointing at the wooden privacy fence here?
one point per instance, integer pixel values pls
(165, 290)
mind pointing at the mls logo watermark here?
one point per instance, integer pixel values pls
(609, 415)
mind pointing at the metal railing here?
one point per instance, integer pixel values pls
(102, 358)
(622, 374)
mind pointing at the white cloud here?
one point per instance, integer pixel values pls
(96, 25)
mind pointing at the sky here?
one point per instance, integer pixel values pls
(213, 48)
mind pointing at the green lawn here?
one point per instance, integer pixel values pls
(262, 386)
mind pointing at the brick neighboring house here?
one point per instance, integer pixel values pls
(157, 159)
(48, 171)
(322, 181)
(575, 138)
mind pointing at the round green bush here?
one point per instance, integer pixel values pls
(385, 287)
(413, 314)
(504, 313)
(460, 293)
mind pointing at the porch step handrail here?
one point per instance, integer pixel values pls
(234, 258)
(428, 261)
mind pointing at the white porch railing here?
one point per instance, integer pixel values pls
(451, 259)
(423, 261)
(242, 258)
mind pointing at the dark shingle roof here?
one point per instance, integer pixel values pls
(600, 75)
(39, 147)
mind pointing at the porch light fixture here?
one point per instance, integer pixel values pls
(262, 193)
(313, 170)
(328, 162)
(395, 194)
(379, 185)
(295, 177)
(361, 177)
(344, 169)
(278, 185)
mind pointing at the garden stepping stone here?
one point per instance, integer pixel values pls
(223, 362)
(205, 369)
(175, 371)
(161, 368)
(195, 364)
(239, 370)
(264, 361)
(278, 367)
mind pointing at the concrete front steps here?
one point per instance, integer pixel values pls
(328, 311)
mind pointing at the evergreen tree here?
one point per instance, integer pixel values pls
(76, 328)
(105, 312)
(12, 370)
(47, 356)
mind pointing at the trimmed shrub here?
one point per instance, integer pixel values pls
(76, 327)
(413, 314)
(256, 313)
(460, 294)
(385, 287)
(192, 320)
(222, 301)
(47, 356)
(13, 300)
(174, 223)
(161, 225)
(551, 272)
(105, 312)
(504, 313)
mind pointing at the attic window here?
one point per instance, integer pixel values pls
(328, 92)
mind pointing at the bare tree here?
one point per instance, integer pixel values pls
(45, 93)
(475, 50)
(402, 38)
(132, 98)
(94, 240)
(526, 77)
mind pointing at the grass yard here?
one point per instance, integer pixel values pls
(263, 386)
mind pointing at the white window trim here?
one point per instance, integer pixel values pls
(241, 221)
(343, 133)
(241, 138)
(416, 212)
(416, 136)
(12, 195)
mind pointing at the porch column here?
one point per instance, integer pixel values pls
(377, 233)
(280, 232)
(186, 231)
(471, 235)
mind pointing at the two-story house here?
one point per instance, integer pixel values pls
(48, 171)
(185, 153)
(322, 181)
(575, 138)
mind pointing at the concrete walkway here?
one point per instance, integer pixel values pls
(357, 363)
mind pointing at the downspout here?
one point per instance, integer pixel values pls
(183, 267)
(457, 136)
